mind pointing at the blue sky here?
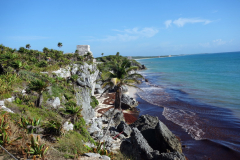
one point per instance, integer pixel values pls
(131, 27)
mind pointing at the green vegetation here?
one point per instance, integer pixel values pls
(122, 73)
(21, 69)
(94, 102)
(31, 70)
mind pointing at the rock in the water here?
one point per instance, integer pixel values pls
(68, 126)
(143, 67)
(54, 102)
(128, 102)
(165, 139)
(137, 146)
(123, 127)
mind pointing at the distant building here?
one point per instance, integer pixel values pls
(83, 49)
(129, 57)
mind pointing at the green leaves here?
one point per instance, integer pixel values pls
(35, 148)
(59, 44)
(38, 85)
(5, 131)
(24, 122)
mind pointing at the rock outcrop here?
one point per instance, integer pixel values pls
(54, 102)
(85, 87)
(128, 102)
(151, 139)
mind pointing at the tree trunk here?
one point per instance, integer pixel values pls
(118, 96)
(39, 100)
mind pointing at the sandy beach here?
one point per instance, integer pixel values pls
(106, 102)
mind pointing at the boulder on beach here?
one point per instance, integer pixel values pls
(128, 102)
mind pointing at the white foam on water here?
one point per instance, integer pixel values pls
(189, 121)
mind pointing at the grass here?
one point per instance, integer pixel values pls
(72, 143)
(44, 114)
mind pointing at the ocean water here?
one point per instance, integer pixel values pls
(200, 93)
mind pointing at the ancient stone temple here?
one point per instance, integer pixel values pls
(83, 49)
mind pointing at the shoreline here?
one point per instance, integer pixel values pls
(106, 102)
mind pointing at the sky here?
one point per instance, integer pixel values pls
(131, 27)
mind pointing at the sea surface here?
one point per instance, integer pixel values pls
(198, 96)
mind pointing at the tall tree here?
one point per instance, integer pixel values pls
(28, 46)
(60, 44)
(122, 74)
(39, 86)
(117, 54)
(102, 54)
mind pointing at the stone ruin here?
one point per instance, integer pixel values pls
(83, 49)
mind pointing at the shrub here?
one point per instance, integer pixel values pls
(94, 102)
(42, 64)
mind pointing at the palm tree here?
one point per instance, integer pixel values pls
(121, 74)
(102, 54)
(39, 86)
(117, 54)
(45, 50)
(60, 44)
(28, 46)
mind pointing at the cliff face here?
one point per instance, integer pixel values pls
(87, 75)
(85, 85)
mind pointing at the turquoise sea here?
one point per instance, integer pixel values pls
(209, 78)
(200, 93)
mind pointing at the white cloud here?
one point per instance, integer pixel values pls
(215, 43)
(204, 44)
(130, 34)
(168, 23)
(219, 42)
(180, 22)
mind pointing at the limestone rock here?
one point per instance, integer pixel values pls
(124, 89)
(165, 139)
(92, 155)
(63, 72)
(147, 124)
(123, 127)
(83, 99)
(68, 126)
(10, 99)
(128, 102)
(1, 103)
(105, 157)
(137, 146)
(6, 109)
(54, 102)
(171, 156)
